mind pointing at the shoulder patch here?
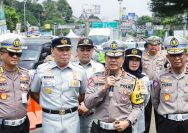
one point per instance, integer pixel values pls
(155, 84)
(91, 82)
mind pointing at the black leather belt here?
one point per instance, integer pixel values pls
(61, 112)
(90, 113)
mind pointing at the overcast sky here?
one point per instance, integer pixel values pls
(110, 8)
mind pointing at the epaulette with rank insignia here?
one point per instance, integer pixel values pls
(43, 65)
(74, 64)
(99, 73)
(186, 69)
(100, 78)
(23, 69)
(170, 70)
(132, 76)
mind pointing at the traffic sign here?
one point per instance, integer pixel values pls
(114, 25)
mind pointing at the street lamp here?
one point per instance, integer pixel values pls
(24, 15)
(120, 16)
(55, 24)
(120, 10)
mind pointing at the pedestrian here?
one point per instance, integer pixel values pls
(170, 90)
(133, 65)
(14, 88)
(153, 62)
(84, 51)
(62, 86)
(114, 94)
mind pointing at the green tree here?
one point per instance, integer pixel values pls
(11, 17)
(143, 20)
(66, 11)
(94, 17)
(169, 7)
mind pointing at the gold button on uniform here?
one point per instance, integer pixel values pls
(3, 96)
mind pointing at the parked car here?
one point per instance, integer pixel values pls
(34, 53)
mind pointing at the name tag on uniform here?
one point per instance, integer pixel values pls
(74, 83)
(24, 97)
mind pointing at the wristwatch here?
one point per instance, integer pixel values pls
(130, 124)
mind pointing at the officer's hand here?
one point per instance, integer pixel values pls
(120, 125)
(109, 82)
(82, 109)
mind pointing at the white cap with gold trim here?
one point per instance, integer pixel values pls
(13, 44)
(114, 48)
(175, 44)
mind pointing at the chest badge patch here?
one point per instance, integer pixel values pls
(48, 90)
(166, 97)
(3, 96)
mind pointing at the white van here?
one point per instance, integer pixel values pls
(100, 36)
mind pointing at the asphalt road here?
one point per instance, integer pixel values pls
(152, 128)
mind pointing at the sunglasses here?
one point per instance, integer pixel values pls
(11, 54)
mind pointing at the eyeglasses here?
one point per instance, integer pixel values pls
(11, 54)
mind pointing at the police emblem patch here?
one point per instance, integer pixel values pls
(86, 41)
(134, 51)
(17, 43)
(64, 42)
(114, 45)
(174, 42)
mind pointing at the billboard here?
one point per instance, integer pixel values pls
(131, 16)
(91, 9)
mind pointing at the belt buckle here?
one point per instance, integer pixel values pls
(62, 112)
(179, 117)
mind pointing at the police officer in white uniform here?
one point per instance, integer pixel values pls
(84, 50)
(14, 88)
(170, 89)
(62, 86)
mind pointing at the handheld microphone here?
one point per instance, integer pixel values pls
(111, 89)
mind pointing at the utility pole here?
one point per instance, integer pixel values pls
(120, 18)
(24, 15)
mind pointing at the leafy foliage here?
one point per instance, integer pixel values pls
(11, 17)
(143, 20)
(52, 12)
(169, 7)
